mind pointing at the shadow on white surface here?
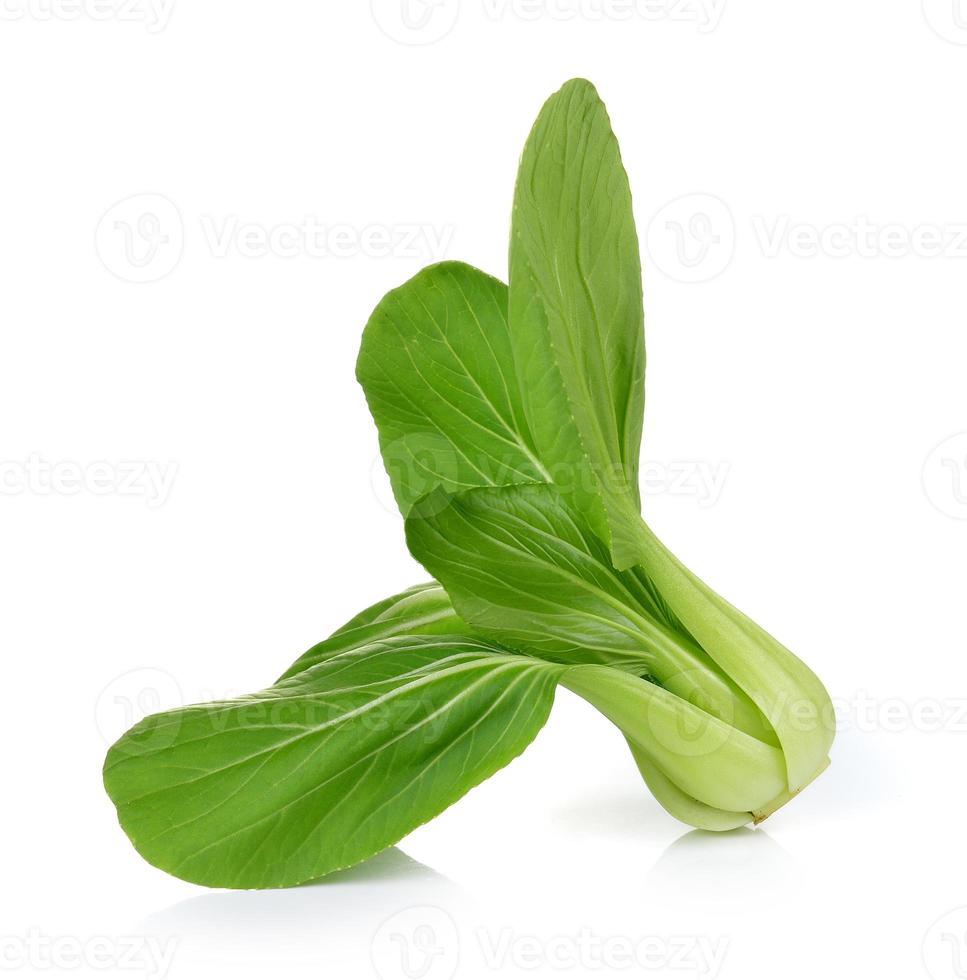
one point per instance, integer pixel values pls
(632, 815)
(719, 868)
(329, 923)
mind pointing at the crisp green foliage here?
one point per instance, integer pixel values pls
(328, 766)
(575, 326)
(521, 563)
(438, 371)
(576, 310)
(510, 422)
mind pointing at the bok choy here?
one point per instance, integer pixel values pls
(510, 422)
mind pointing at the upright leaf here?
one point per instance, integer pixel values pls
(576, 310)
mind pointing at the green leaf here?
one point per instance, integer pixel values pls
(519, 563)
(576, 317)
(437, 369)
(328, 766)
(524, 568)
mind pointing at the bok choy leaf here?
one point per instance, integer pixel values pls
(331, 764)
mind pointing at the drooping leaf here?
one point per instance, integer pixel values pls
(328, 766)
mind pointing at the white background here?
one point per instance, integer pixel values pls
(799, 181)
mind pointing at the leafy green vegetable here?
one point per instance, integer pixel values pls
(372, 733)
(331, 764)
(575, 328)
(510, 423)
